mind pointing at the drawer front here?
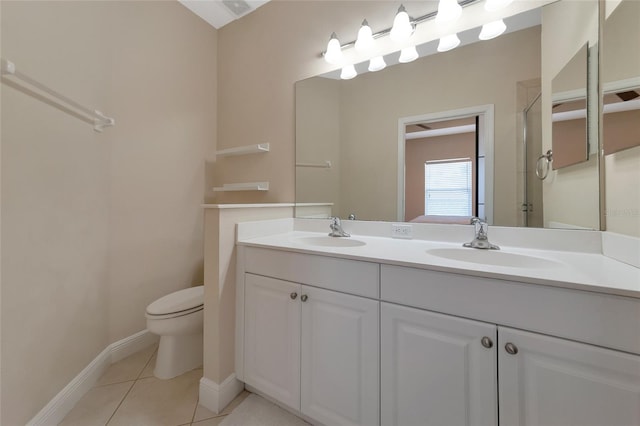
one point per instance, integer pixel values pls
(596, 318)
(347, 276)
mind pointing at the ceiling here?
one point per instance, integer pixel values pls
(219, 13)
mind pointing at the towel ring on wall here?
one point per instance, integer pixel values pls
(542, 167)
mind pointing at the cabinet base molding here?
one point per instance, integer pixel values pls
(281, 405)
(215, 397)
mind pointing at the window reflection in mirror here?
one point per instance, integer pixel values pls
(441, 171)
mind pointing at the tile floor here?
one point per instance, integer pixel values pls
(129, 394)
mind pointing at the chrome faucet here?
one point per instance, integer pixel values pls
(481, 239)
(336, 228)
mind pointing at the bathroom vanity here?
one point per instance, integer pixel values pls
(371, 330)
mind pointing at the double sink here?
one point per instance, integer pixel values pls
(502, 258)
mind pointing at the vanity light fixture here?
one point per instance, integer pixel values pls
(402, 27)
(364, 41)
(333, 55)
(448, 42)
(401, 31)
(493, 5)
(492, 30)
(377, 63)
(448, 11)
(348, 72)
(408, 54)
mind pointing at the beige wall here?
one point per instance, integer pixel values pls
(571, 195)
(621, 60)
(318, 124)
(96, 226)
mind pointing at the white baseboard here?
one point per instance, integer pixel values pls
(132, 344)
(66, 399)
(215, 397)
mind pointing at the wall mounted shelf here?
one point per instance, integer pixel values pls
(244, 150)
(246, 186)
(325, 165)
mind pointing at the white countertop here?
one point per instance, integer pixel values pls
(575, 270)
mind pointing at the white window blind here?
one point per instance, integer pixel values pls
(447, 188)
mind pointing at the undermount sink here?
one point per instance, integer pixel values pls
(492, 257)
(326, 241)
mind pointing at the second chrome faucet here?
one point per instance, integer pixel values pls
(481, 239)
(336, 228)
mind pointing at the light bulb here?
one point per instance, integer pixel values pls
(408, 54)
(377, 64)
(364, 42)
(333, 55)
(448, 11)
(493, 5)
(348, 72)
(402, 28)
(448, 42)
(492, 30)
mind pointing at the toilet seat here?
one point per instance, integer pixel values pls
(179, 303)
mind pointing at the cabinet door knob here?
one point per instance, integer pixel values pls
(511, 348)
(304, 297)
(487, 342)
(293, 295)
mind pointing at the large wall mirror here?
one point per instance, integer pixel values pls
(367, 146)
(621, 114)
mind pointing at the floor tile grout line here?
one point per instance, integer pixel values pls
(121, 401)
(114, 383)
(195, 409)
(146, 364)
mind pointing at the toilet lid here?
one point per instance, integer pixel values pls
(179, 301)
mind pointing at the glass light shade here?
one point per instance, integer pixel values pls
(402, 28)
(492, 30)
(408, 54)
(448, 11)
(377, 64)
(364, 42)
(448, 42)
(333, 55)
(348, 72)
(492, 5)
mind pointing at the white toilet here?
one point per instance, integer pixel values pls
(178, 319)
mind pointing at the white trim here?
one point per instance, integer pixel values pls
(620, 85)
(246, 206)
(239, 332)
(56, 410)
(215, 397)
(132, 344)
(242, 186)
(260, 148)
(569, 96)
(456, 130)
(487, 111)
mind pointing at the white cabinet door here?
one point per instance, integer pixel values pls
(272, 338)
(436, 369)
(340, 365)
(551, 381)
